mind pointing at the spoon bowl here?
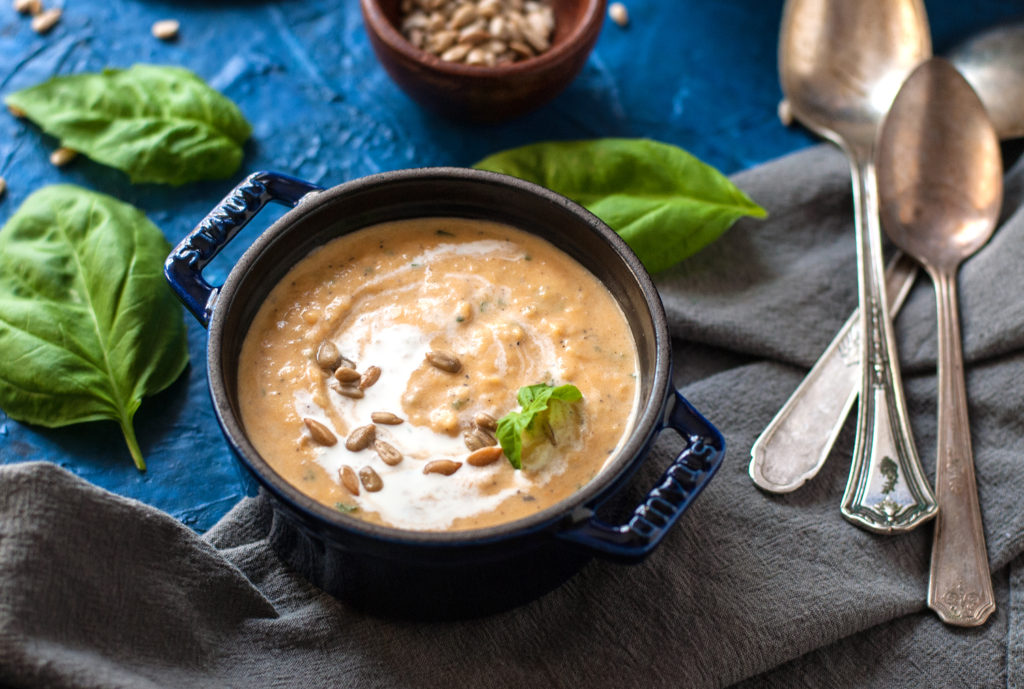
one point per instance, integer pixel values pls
(993, 63)
(940, 189)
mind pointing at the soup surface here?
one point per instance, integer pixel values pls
(444, 320)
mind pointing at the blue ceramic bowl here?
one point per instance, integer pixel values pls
(445, 574)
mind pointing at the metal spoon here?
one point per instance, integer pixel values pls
(841, 64)
(940, 180)
(795, 444)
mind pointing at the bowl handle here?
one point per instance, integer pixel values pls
(184, 267)
(684, 479)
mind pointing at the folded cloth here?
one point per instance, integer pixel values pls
(751, 589)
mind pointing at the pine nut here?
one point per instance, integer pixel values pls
(62, 156)
(321, 434)
(388, 453)
(386, 418)
(369, 377)
(484, 456)
(166, 29)
(371, 479)
(445, 467)
(44, 21)
(349, 479)
(360, 438)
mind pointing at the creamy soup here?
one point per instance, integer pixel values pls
(372, 375)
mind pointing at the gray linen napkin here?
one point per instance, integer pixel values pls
(749, 588)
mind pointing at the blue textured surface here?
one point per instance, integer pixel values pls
(700, 75)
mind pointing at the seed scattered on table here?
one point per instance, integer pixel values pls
(445, 467)
(386, 418)
(444, 361)
(32, 7)
(349, 479)
(619, 14)
(360, 438)
(16, 111)
(371, 479)
(62, 156)
(388, 453)
(166, 29)
(483, 33)
(484, 456)
(320, 433)
(369, 377)
(44, 21)
(785, 112)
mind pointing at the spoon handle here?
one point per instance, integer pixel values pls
(887, 491)
(796, 443)
(960, 586)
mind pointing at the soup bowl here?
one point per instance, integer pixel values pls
(443, 574)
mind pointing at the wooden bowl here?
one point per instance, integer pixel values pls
(485, 94)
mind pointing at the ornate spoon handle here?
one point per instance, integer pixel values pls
(960, 587)
(796, 443)
(887, 491)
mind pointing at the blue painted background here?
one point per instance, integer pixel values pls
(698, 74)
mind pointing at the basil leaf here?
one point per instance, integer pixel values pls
(158, 124)
(87, 323)
(543, 414)
(664, 202)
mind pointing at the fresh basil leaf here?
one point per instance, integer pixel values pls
(544, 413)
(664, 202)
(87, 323)
(158, 124)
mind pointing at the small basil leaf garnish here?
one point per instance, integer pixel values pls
(545, 412)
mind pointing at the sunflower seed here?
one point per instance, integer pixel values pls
(350, 391)
(388, 454)
(485, 421)
(466, 14)
(32, 7)
(371, 479)
(349, 479)
(62, 156)
(166, 29)
(344, 374)
(369, 377)
(456, 53)
(3, 186)
(320, 433)
(360, 438)
(44, 21)
(446, 467)
(484, 456)
(444, 361)
(16, 111)
(386, 418)
(327, 355)
(619, 14)
(477, 438)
